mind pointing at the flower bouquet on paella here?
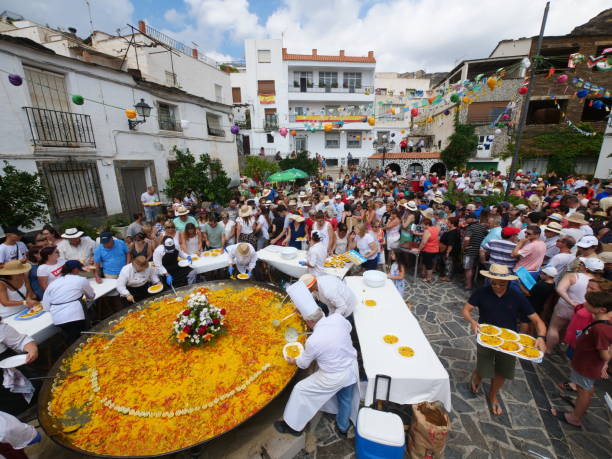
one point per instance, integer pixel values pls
(199, 323)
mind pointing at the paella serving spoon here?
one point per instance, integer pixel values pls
(276, 322)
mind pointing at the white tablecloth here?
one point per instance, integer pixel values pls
(41, 328)
(204, 264)
(415, 379)
(292, 267)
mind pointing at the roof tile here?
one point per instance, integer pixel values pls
(369, 59)
(422, 155)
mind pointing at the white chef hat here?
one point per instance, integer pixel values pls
(302, 298)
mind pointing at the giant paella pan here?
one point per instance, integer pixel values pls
(133, 391)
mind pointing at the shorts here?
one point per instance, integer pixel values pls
(490, 363)
(582, 381)
(429, 259)
(469, 261)
(563, 311)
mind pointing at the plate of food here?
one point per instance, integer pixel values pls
(527, 340)
(292, 350)
(14, 361)
(31, 313)
(243, 276)
(405, 351)
(183, 263)
(370, 303)
(510, 346)
(530, 353)
(155, 288)
(194, 257)
(508, 335)
(390, 339)
(300, 239)
(490, 330)
(488, 340)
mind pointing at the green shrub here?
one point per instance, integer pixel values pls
(83, 224)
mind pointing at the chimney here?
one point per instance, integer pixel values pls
(194, 53)
(284, 51)
(370, 53)
(72, 31)
(142, 26)
(341, 53)
(314, 51)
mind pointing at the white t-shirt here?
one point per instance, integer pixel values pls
(82, 252)
(262, 223)
(147, 198)
(561, 262)
(322, 232)
(363, 244)
(228, 229)
(12, 252)
(51, 272)
(246, 228)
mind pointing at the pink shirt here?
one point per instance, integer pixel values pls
(532, 255)
(580, 320)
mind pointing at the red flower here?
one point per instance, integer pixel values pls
(216, 321)
(186, 312)
(187, 329)
(222, 312)
(201, 330)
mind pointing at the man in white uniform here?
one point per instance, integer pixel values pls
(332, 388)
(244, 256)
(331, 291)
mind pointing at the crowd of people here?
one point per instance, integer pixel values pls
(542, 256)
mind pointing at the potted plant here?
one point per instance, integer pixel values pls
(345, 84)
(296, 84)
(334, 84)
(309, 84)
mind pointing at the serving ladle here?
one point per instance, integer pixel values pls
(292, 335)
(276, 322)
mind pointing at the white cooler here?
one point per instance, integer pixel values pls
(379, 435)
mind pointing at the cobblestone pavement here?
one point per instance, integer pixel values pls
(526, 429)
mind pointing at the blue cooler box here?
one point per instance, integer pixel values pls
(379, 435)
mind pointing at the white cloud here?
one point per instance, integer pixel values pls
(232, 16)
(174, 17)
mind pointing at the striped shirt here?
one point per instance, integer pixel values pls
(500, 252)
(476, 232)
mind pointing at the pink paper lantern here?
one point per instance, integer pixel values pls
(283, 131)
(562, 79)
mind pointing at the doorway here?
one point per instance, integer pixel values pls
(439, 169)
(134, 184)
(395, 168)
(303, 84)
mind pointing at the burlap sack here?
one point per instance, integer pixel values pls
(428, 431)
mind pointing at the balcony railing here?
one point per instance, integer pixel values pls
(170, 125)
(217, 132)
(270, 126)
(482, 119)
(347, 118)
(367, 90)
(54, 128)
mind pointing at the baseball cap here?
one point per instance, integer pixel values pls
(105, 237)
(472, 215)
(13, 230)
(510, 231)
(169, 242)
(550, 271)
(72, 264)
(592, 264)
(587, 241)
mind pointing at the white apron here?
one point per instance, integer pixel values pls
(317, 392)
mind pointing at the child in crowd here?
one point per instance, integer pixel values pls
(397, 271)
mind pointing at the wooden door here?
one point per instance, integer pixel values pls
(134, 184)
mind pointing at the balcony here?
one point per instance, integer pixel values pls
(482, 119)
(53, 128)
(358, 118)
(216, 132)
(270, 123)
(310, 88)
(170, 125)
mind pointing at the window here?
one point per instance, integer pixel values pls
(270, 119)
(301, 143)
(265, 88)
(381, 134)
(171, 79)
(555, 57)
(595, 109)
(236, 95)
(545, 111)
(331, 109)
(299, 110)
(485, 143)
(600, 49)
(332, 140)
(218, 93)
(585, 166)
(353, 139)
(328, 80)
(415, 168)
(485, 112)
(214, 125)
(47, 90)
(167, 117)
(331, 162)
(352, 81)
(269, 138)
(264, 56)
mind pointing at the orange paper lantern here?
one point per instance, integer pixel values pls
(293, 133)
(371, 121)
(466, 100)
(492, 83)
(131, 114)
(327, 127)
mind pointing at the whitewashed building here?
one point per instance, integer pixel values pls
(93, 162)
(303, 93)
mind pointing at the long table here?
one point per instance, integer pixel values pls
(293, 267)
(204, 264)
(41, 328)
(415, 379)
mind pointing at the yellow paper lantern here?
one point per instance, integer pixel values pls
(327, 127)
(403, 131)
(131, 114)
(492, 83)
(358, 137)
(466, 100)
(371, 121)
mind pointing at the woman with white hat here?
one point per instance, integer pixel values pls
(15, 291)
(246, 226)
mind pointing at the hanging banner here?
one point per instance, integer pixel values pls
(267, 99)
(331, 119)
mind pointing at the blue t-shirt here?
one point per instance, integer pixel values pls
(603, 194)
(505, 311)
(113, 259)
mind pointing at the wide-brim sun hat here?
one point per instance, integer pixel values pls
(297, 218)
(499, 272)
(243, 248)
(411, 206)
(245, 211)
(553, 227)
(265, 192)
(181, 211)
(577, 217)
(72, 233)
(14, 267)
(308, 280)
(438, 200)
(427, 213)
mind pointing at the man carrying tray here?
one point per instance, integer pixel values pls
(503, 307)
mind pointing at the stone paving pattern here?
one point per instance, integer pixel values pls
(526, 424)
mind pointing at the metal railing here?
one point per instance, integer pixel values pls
(170, 125)
(162, 37)
(217, 132)
(481, 119)
(346, 116)
(54, 128)
(367, 90)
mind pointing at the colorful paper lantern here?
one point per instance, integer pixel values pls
(403, 131)
(505, 117)
(466, 100)
(235, 129)
(414, 112)
(283, 131)
(77, 99)
(562, 79)
(430, 119)
(131, 114)
(523, 90)
(393, 134)
(371, 121)
(430, 100)
(447, 112)
(15, 80)
(454, 98)
(492, 82)
(498, 131)
(293, 133)
(582, 93)
(327, 127)
(358, 137)
(364, 119)
(598, 104)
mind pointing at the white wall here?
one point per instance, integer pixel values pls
(520, 47)
(604, 165)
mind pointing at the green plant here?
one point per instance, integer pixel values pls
(204, 177)
(461, 147)
(259, 168)
(301, 161)
(24, 198)
(117, 220)
(81, 223)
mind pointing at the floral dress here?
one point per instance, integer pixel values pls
(400, 284)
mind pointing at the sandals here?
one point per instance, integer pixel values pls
(569, 400)
(560, 415)
(567, 386)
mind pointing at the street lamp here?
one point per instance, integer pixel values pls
(143, 110)
(383, 146)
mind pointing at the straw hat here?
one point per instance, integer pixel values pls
(243, 248)
(292, 202)
(553, 227)
(181, 211)
(14, 267)
(500, 272)
(411, 205)
(577, 217)
(601, 214)
(438, 200)
(428, 213)
(245, 211)
(308, 280)
(606, 257)
(557, 217)
(297, 218)
(72, 233)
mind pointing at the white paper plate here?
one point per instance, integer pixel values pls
(151, 290)
(14, 361)
(183, 263)
(296, 343)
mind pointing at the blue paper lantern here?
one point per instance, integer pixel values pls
(598, 104)
(582, 93)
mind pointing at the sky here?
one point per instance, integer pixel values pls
(405, 35)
